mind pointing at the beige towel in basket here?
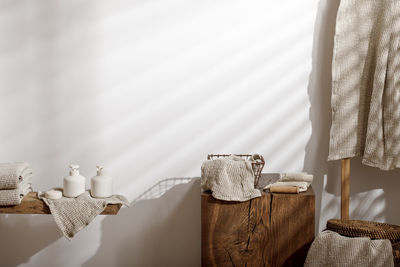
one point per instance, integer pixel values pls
(229, 178)
(331, 249)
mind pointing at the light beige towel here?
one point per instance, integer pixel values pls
(11, 174)
(229, 178)
(303, 186)
(13, 197)
(331, 249)
(284, 189)
(296, 177)
(366, 83)
(73, 214)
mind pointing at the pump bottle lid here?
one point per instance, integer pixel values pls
(100, 170)
(74, 169)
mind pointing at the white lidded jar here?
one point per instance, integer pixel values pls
(101, 184)
(74, 184)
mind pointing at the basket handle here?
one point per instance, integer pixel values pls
(256, 157)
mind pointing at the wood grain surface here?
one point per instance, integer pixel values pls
(273, 230)
(32, 205)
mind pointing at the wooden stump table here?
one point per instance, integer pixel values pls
(272, 230)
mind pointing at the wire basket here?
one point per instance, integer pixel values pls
(257, 163)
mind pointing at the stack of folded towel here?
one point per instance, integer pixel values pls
(15, 182)
(291, 183)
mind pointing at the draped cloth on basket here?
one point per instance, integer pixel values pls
(366, 83)
(331, 249)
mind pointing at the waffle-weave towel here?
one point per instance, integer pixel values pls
(366, 83)
(331, 249)
(73, 214)
(12, 197)
(230, 178)
(12, 174)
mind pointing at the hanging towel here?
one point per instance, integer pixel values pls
(73, 214)
(14, 196)
(366, 83)
(11, 174)
(229, 178)
(331, 249)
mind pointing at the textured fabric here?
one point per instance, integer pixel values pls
(73, 214)
(301, 180)
(14, 196)
(366, 83)
(331, 249)
(296, 176)
(11, 174)
(303, 186)
(229, 178)
(284, 189)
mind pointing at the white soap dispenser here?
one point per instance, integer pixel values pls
(74, 184)
(101, 184)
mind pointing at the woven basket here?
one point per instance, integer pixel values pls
(396, 253)
(373, 230)
(257, 163)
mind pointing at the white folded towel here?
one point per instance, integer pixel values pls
(12, 197)
(296, 176)
(302, 180)
(12, 174)
(303, 186)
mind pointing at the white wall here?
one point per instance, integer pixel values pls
(149, 88)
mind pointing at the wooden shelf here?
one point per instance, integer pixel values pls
(32, 205)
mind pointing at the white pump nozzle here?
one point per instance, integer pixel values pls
(100, 170)
(74, 169)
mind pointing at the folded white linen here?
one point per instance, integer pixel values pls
(11, 197)
(296, 176)
(12, 174)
